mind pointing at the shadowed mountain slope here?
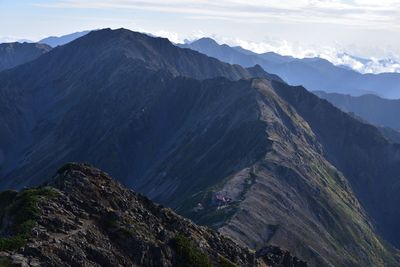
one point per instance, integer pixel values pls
(249, 157)
(14, 54)
(361, 153)
(120, 71)
(375, 110)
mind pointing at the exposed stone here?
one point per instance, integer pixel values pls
(82, 226)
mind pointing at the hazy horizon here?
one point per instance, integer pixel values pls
(305, 28)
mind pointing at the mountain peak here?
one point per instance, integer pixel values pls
(206, 41)
(101, 223)
(75, 175)
(126, 50)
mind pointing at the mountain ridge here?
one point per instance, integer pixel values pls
(245, 155)
(84, 218)
(55, 41)
(316, 74)
(14, 54)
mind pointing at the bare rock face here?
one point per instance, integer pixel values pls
(84, 218)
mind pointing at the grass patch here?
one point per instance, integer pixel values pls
(23, 212)
(5, 262)
(13, 242)
(188, 254)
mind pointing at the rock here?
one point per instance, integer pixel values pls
(87, 228)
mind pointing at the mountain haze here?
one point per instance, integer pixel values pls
(315, 74)
(230, 147)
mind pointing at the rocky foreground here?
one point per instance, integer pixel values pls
(82, 217)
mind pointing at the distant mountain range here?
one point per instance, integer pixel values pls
(234, 148)
(370, 108)
(315, 74)
(14, 40)
(14, 54)
(376, 110)
(54, 41)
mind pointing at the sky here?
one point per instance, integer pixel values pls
(365, 28)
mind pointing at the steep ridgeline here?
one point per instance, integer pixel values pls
(294, 195)
(368, 160)
(316, 74)
(246, 156)
(113, 84)
(14, 54)
(84, 218)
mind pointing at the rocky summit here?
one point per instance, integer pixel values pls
(82, 217)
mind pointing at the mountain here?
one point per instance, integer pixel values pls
(316, 74)
(376, 110)
(389, 133)
(14, 54)
(84, 218)
(55, 41)
(232, 148)
(13, 40)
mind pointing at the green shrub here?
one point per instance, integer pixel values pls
(23, 211)
(188, 254)
(67, 166)
(12, 243)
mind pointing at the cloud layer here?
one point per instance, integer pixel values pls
(377, 14)
(337, 55)
(331, 29)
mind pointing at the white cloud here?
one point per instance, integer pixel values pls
(11, 39)
(172, 36)
(372, 65)
(338, 55)
(369, 22)
(381, 13)
(7, 39)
